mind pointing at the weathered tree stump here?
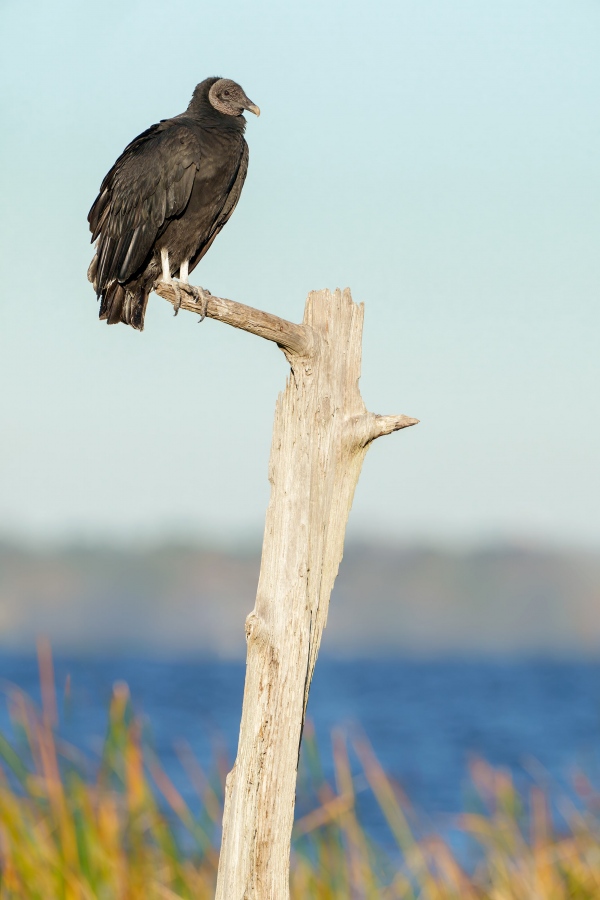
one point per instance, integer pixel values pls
(321, 434)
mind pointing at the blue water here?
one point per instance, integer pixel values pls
(424, 719)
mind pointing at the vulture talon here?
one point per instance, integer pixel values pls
(177, 289)
(201, 296)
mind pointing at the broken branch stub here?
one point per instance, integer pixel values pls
(321, 434)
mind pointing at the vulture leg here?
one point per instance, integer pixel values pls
(166, 268)
(200, 294)
(166, 276)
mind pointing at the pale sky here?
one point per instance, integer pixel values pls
(440, 158)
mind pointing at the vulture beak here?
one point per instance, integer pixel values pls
(252, 107)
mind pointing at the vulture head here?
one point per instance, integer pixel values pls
(227, 97)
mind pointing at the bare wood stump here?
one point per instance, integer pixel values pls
(321, 434)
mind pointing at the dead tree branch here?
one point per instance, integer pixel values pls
(321, 434)
(296, 339)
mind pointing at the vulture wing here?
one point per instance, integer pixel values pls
(231, 199)
(150, 183)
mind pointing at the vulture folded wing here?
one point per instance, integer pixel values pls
(231, 199)
(150, 183)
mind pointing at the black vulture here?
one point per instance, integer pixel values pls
(166, 199)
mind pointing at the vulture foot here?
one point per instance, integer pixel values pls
(201, 296)
(177, 289)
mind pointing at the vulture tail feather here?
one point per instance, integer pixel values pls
(120, 305)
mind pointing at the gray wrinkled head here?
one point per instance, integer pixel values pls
(227, 97)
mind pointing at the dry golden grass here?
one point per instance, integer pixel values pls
(70, 831)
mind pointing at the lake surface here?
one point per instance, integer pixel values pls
(424, 719)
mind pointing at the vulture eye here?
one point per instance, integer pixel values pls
(226, 93)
